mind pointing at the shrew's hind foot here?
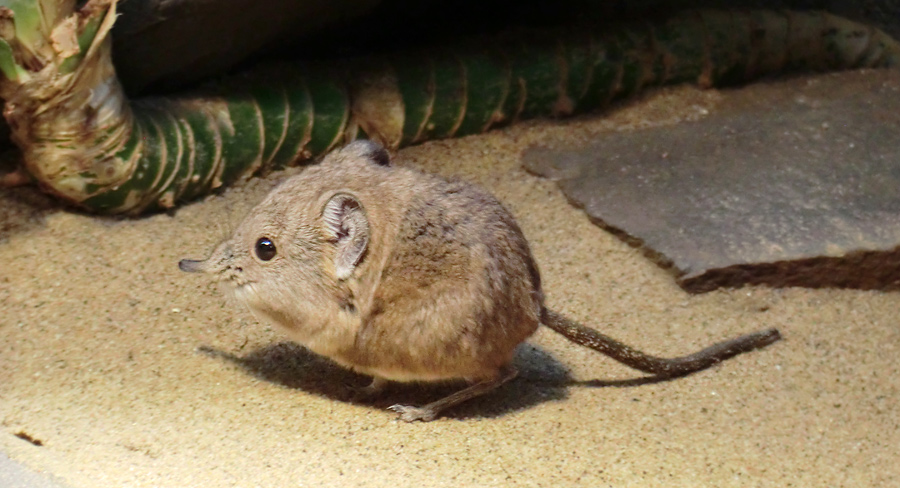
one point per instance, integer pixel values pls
(430, 412)
(409, 413)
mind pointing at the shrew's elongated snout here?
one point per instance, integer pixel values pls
(218, 260)
(192, 265)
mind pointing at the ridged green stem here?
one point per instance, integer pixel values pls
(88, 144)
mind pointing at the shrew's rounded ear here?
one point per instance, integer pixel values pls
(347, 226)
(371, 151)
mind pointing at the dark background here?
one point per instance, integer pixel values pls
(164, 45)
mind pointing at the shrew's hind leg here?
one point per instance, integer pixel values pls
(372, 390)
(429, 412)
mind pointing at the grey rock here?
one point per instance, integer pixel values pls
(791, 183)
(15, 475)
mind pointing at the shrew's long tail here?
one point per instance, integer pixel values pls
(661, 367)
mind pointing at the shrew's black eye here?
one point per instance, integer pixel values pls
(265, 249)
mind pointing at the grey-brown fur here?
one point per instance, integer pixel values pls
(405, 276)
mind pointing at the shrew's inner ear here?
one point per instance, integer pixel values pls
(347, 226)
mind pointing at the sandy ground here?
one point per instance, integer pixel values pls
(103, 361)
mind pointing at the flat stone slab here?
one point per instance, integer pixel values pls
(788, 183)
